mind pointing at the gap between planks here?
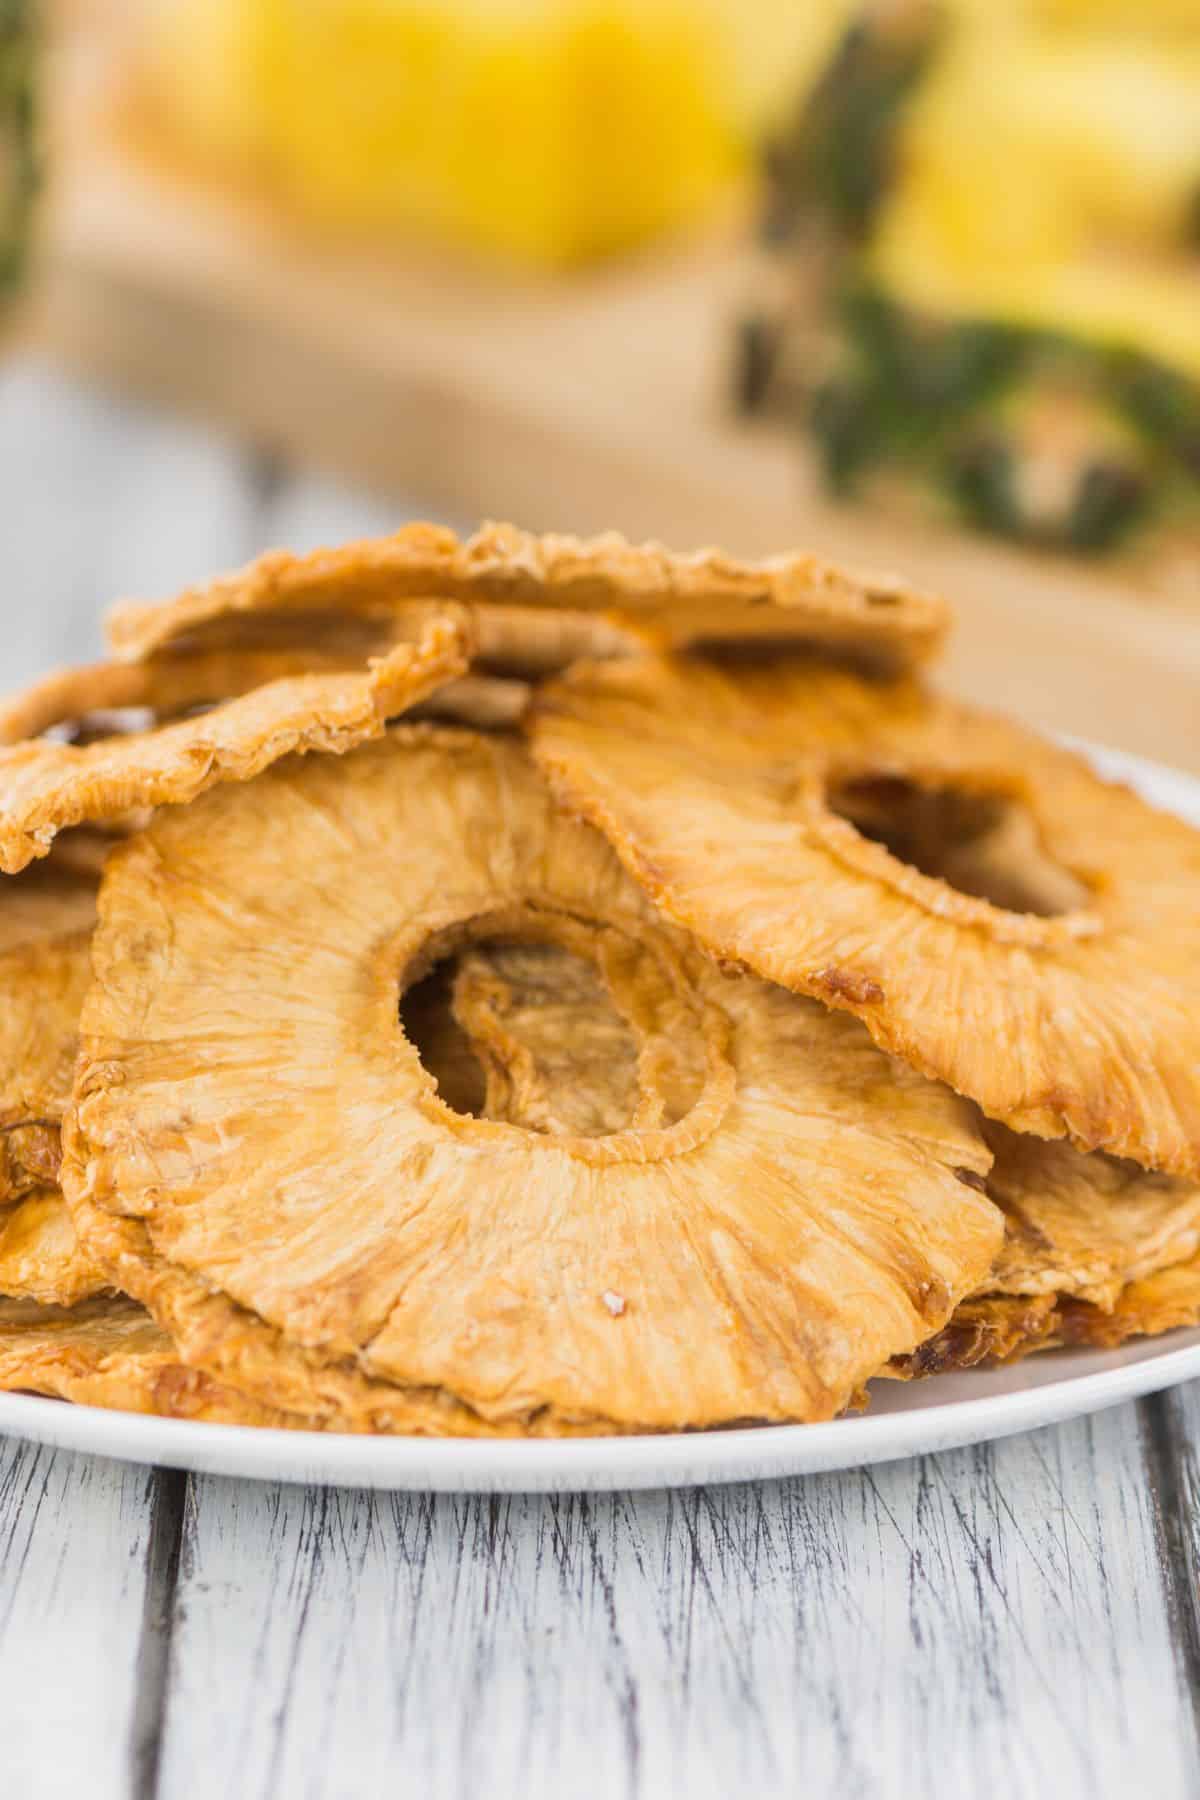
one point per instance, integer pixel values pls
(168, 1500)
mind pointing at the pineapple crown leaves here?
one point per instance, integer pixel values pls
(962, 401)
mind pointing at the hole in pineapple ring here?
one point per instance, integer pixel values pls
(564, 1028)
(984, 845)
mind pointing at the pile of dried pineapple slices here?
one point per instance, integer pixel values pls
(527, 986)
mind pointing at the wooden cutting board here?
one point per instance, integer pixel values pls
(577, 404)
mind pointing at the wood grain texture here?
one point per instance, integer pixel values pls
(78, 1603)
(990, 1621)
(1171, 1430)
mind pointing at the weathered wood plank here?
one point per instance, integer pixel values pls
(80, 1594)
(992, 1621)
(1171, 1428)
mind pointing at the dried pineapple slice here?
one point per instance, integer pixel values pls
(554, 1050)
(40, 1255)
(1084, 1225)
(1003, 1328)
(681, 598)
(1069, 1009)
(1095, 1251)
(43, 984)
(30, 1157)
(109, 1352)
(55, 898)
(48, 786)
(1165, 1301)
(1083, 1234)
(810, 1210)
(87, 698)
(46, 918)
(1074, 1224)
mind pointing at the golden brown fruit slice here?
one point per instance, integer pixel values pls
(683, 598)
(43, 985)
(1164, 1301)
(1003, 1328)
(89, 699)
(757, 805)
(258, 1154)
(40, 1256)
(1082, 1233)
(30, 1157)
(544, 1037)
(554, 1049)
(46, 786)
(56, 897)
(1084, 1225)
(46, 916)
(339, 628)
(109, 1352)
(1085, 1239)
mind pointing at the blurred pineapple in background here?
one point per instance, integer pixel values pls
(18, 168)
(982, 222)
(548, 132)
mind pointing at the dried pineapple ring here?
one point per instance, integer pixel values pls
(1164, 1301)
(257, 1152)
(43, 985)
(556, 1053)
(1001, 1328)
(46, 917)
(55, 898)
(718, 790)
(165, 686)
(681, 599)
(40, 1255)
(1074, 1224)
(1095, 1251)
(47, 786)
(1081, 1225)
(1083, 1234)
(30, 1157)
(109, 1352)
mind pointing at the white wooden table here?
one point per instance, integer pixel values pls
(1016, 1620)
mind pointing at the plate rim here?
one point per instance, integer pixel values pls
(541, 1465)
(578, 1465)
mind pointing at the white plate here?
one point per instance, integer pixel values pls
(906, 1419)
